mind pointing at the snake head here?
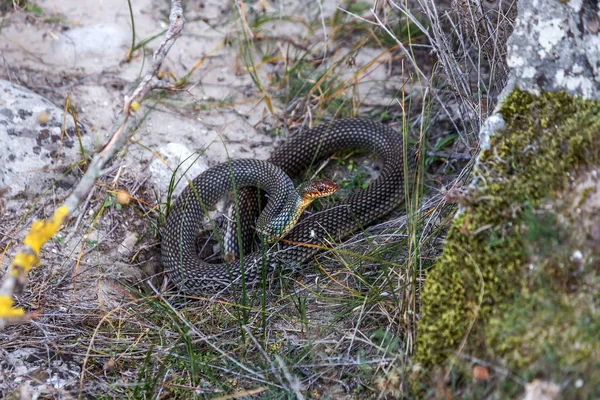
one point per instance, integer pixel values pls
(319, 188)
(305, 194)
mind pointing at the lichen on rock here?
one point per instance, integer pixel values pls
(554, 47)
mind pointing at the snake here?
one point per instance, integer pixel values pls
(311, 233)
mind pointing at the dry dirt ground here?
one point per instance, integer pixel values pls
(78, 49)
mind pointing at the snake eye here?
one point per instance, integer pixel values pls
(321, 188)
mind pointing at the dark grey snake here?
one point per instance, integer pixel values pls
(387, 191)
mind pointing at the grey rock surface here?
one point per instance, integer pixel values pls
(556, 46)
(78, 46)
(33, 152)
(181, 161)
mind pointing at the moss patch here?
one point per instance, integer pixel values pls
(479, 282)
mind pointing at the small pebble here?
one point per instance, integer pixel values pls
(43, 118)
(480, 373)
(123, 197)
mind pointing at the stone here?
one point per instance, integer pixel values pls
(549, 50)
(177, 157)
(541, 390)
(76, 46)
(33, 153)
(554, 47)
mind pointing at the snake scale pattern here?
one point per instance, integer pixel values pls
(194, 276)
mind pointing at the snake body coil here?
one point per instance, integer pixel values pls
(386, 192)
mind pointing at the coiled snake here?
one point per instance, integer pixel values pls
(194, 276)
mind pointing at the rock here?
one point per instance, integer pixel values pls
(177, 156)
(32, 152)
(541, 390)
(76, 46)
(128, 245)
(554, 47)
(550, 50)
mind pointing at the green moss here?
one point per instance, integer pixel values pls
(585, 194)
(551, 330)
(542, 327)
(481, 273)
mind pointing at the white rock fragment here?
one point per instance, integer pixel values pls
(541, 390)
(178, 157)
(77, 46)
(128, 243)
